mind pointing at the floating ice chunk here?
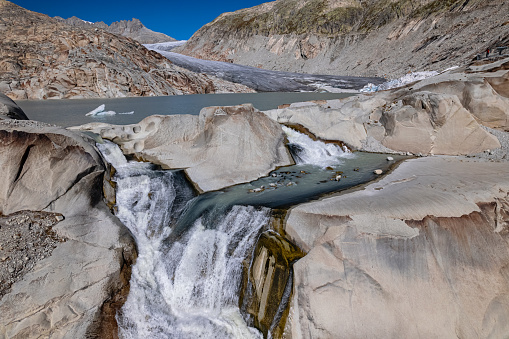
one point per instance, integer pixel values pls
(96, 111)
(106, 113)
(132, 112)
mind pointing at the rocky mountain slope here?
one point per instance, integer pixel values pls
(354, 37)
(41, 58)
(129, 28)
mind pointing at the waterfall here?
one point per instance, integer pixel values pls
(308, 151)
(188, 287)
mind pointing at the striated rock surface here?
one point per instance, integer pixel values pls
(223, 146)
(421, 253)
(133, 29)
(440, 115)
(42, 58)
(74, 287)
(353, 37)
(10, 110)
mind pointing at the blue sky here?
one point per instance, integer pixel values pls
(179, 19)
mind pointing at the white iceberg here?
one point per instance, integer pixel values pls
(99, 111)
(96, 111)
(106, 113)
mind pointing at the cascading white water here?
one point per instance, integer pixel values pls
(187, 288)
(318, 153)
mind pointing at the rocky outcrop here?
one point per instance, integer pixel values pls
(223, 146)
(353, 37)
(10, 110)
(439, 115)
(41, 58)
(133, 29)
(420, 253)
(75, 290)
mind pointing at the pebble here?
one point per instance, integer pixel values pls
(378, 171)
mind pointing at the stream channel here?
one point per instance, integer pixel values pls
(186, 280)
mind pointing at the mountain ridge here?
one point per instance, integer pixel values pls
(354, 37)
(133, 28)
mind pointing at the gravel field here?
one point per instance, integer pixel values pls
(26, 237)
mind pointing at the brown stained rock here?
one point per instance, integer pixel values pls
(268, 277)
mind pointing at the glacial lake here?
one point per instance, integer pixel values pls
(71, 112)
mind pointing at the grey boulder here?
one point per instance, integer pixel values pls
(223, 146)
(10, 110)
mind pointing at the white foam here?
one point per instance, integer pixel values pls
(314, 152)
(187, 288)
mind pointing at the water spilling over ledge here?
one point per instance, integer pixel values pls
(199, 254)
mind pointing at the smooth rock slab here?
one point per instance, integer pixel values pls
(441, 115)
(421, 253)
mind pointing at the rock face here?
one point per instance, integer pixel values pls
(223, 146)
(41, 58)
(10, 110)
(268, 282)
(421, 253)
(353, 37)
(75, 291)
(133, 29)
(439, 115)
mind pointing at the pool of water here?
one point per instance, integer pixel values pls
(71, 112)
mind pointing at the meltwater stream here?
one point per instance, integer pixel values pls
(185, 283)
(187, 288)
